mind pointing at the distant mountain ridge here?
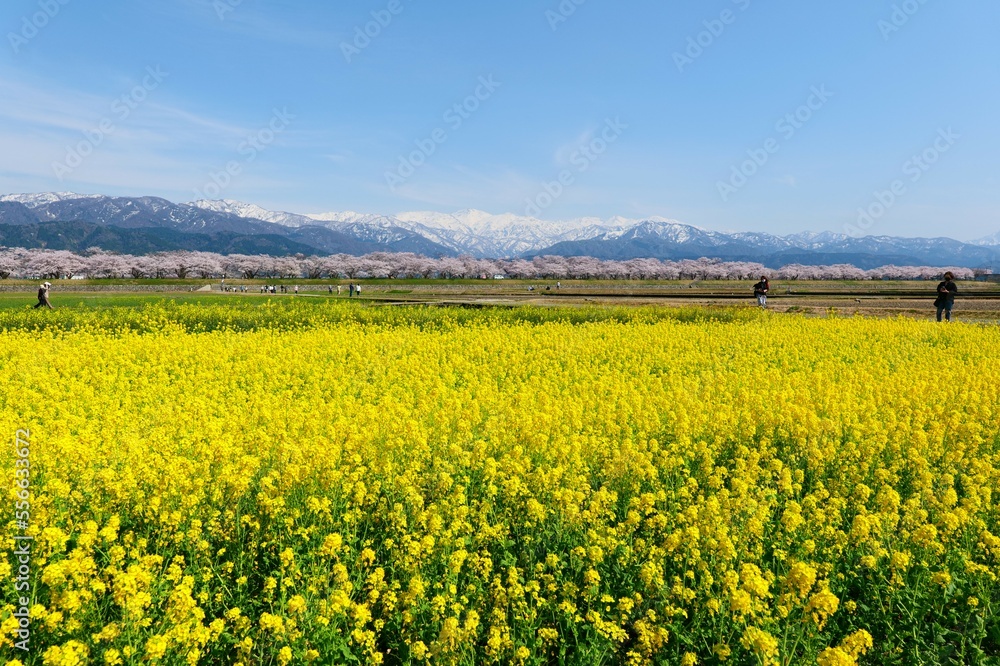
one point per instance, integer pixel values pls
(227, 223)
(156, 213)
(79, 236)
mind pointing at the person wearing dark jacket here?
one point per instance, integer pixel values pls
(760, 291)
(945, 300)
(43, 296)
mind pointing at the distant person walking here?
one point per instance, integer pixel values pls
(760, 290)
(945, 300)
(350, 288)
(43, 296)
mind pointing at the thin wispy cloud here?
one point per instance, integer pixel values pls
(52, 108)
(232, 62)
(87, 141)
(248, 19)
(215, 126)
(47, 109)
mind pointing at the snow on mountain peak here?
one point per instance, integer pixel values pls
(42, 198)
(473, 217)
(474, 231)
(346, 217)
(992, 239)
(483, 234)
(252, 211)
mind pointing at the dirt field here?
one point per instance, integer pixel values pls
(977, 301)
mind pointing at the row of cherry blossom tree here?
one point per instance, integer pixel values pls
(96, 263)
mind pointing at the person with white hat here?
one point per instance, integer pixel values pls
(43, 296)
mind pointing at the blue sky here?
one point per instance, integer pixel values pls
(581, 108)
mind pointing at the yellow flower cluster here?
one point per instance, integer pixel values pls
(502, 491)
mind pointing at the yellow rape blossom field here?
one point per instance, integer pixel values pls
(314, 482)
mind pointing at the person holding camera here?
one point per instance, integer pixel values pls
(760, 291)
(945, 300)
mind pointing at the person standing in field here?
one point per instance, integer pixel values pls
(350, 290)
(43, 296)
(945, 300)
(760, 291)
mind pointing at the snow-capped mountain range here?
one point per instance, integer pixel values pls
(468, 231)
(478, 233)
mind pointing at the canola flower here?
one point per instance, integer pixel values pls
(304, 484)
